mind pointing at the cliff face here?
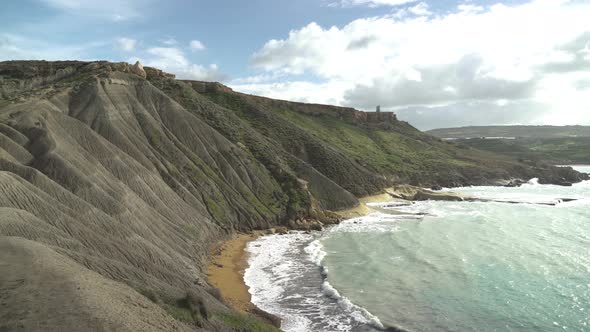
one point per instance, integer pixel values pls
(120, 183)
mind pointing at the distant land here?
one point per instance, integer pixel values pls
(552, 144)
(512, 131)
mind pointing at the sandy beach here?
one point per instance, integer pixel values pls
(229, 259)
(226, 270)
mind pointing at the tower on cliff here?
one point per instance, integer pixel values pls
(378, 109)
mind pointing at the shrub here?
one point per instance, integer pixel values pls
(190, 309)
(245, 323)
(194, 304)
(216, 293)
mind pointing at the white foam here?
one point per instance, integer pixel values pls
(533, 182)
(274, 264)
(316, 255)
(360, 314)
(373, 223)
(268, 273)
(315, 252)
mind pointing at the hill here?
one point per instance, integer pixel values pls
(551, 144)
(116, 181)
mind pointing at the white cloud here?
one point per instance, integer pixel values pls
(466, 80)
(261, 78)
(196, 45)
(420, 9)
(474, 54)
(169, 41)
(126, 44)
(165, 57)
(173, 60)
(301, 91)
(474, 114)
(470, 8)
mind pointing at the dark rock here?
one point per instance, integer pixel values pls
(515, 183)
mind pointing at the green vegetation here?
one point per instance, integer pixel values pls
(570, 150)
(291, 200)
(190, 309)
(245, 323)
(383, 151)
(512, 131)
(214, 209)
(552, 144)
(4, 102)
(351, 154)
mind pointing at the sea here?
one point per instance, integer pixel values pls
(520, 262)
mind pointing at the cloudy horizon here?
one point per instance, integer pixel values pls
(436, 64)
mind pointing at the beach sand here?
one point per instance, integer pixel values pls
(363, 209)
(226, 271)
(229, 260)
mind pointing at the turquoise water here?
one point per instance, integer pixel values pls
(464, 266)
(473, 266)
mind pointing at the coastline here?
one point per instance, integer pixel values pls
(229, 260)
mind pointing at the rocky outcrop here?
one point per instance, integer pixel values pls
(209, 87)
(157, 73)
(563, 176)
(138, 70)
(412, 193)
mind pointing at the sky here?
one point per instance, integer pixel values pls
(435, 63)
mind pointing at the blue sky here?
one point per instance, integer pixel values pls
(231, 30)
(435, 63)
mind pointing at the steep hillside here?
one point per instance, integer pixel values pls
(111, 175)
(363, 151)
(116, 180)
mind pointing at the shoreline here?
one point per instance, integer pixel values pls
(225, 271)
(229, 260)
